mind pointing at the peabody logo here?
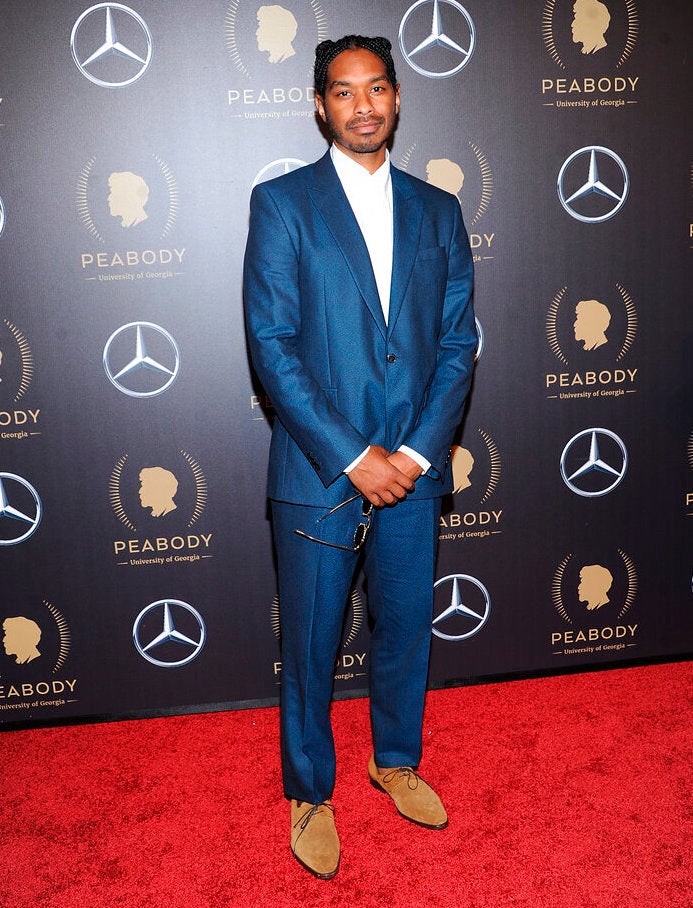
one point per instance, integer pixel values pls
(594, 462)
(149, 495)
(277, 169)
(259, 37)
(476, 472)
(592, 592)
(141, 359)
(35, 647)
(16, 374)
(461, 607)
(437, 38)
(463, 463)
(273, 45)
(596, 40)
(111, 45)
(598, 330)
(129, 204)
(593, 184)
(40, 635)
(589, 30)
(20, 509)
(467, 175)
(169, 633)
(158, 490)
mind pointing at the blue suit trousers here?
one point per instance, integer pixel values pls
(314, 585)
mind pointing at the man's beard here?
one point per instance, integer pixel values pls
(355, 143)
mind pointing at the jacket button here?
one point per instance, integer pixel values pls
(391, 358)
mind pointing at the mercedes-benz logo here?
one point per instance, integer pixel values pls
(454, 55)
(141, 375)
(2, 216)
(585, 468)
(594, 186)
(98, 45)
(481, 341)
(467, 612)
(24, 515)
(170, 615)
(277, 169)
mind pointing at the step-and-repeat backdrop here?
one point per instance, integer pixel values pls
(136, 557)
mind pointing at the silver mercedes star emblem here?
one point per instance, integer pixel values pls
(141, 375)
(277, 169)
(466, 615)
(99, 47)
(454, 55)
(594, 185)
(169, 642)
(592, 476)
(18, 521)
(481, 342)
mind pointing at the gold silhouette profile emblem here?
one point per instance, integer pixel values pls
(445, 174)
(595, 583)
(128, 194)
(592, 318)
(589, 25)
(157, 490)
(462, 465)
(277, 28)
(21, 638)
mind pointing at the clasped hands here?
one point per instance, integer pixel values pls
(384, 478)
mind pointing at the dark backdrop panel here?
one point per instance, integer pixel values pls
(137, 565)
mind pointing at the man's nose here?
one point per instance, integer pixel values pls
(363, 103)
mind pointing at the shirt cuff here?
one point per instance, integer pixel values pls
(416, 457)
(356, 462)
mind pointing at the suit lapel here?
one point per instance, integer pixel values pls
(329, 198)
(407, 215)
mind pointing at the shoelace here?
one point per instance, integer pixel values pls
(308, 816)
(406, 772)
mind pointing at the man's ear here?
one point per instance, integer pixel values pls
(320, 107)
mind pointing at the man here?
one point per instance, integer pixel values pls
(357, 284)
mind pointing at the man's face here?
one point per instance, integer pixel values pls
(360, 105)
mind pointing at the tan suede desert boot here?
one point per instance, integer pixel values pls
(414, 799)
(314, 839)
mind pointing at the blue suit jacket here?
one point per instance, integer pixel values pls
(339, 378)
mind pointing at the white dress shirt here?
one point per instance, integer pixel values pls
(370, 198)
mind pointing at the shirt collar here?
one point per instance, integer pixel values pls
(350, 172)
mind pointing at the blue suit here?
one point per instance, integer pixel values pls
(340, 378)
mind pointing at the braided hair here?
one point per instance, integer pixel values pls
(326, 51)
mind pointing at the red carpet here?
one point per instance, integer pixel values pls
(562, 792)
